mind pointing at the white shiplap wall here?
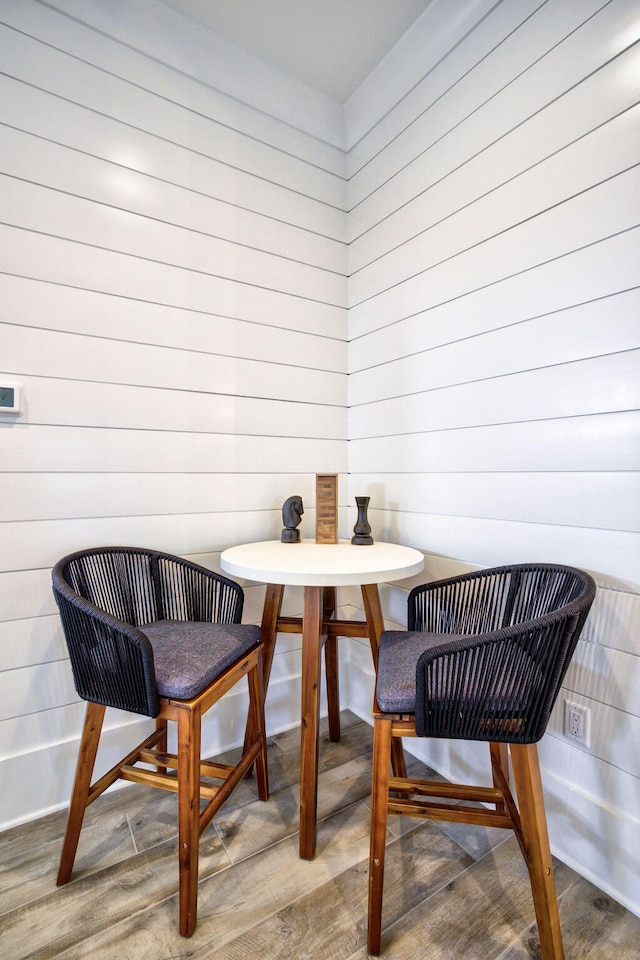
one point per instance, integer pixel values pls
(173, 293)
(173, 297)
(495, 350)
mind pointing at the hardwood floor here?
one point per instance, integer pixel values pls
(451, 891)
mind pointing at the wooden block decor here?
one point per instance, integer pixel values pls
(326, 507)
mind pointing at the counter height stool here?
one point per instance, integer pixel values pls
(483, 658)
(159, 636)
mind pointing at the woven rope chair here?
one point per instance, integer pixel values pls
(159, 636)
(483, 658)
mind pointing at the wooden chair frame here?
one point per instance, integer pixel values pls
(191, 770)
(526, 818)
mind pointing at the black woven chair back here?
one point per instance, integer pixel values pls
(511, 633)
(105, 593)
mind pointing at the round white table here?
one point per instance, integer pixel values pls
(320, 568)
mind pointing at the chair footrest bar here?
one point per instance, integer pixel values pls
(455, 813)
(112, 775)
(219, 771)
(451, 791)
(162, 781)
(224, 792)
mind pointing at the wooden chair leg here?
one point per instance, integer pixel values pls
(94, 717)
(188, 816)
(161, 725)
(268, 632)
(257, 723)
(499, 768)
(382, 742)
(526, 775)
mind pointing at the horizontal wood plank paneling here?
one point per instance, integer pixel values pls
(597, 499)
(587, 162)
(589, 386)
(30, 642)
(38, 161)
(494, 354)
(176, 298)
(59, 260)
(434, 55)
(603, 324)
(90, 313)
(590, 273)
(30, 207)
(93, 404)
(608, 209)
(71, 78)
(25, 594)
(59, 496)
(71, 356)
(524, 73)
(570, 443)
(116, 451)
(42, 543)
(71, 125)
(220, 68)
(174, 305)
(577, 116)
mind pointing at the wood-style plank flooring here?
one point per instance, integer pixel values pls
(452, 892)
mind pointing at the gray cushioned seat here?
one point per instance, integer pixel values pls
(398, 658)
(189, 655)
(397, 661)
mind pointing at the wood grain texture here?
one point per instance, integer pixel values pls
(260, 898)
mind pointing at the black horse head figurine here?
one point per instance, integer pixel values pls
(292, 511)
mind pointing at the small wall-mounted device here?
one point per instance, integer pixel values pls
(10, 397)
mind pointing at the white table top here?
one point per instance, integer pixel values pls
(311, 564)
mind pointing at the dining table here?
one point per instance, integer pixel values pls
(320, 568)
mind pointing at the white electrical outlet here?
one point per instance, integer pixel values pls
(577, 722)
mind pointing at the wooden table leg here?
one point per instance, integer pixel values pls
(331, 666)
(375, 626)
(312, 641)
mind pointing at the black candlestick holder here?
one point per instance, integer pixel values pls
(362, 529)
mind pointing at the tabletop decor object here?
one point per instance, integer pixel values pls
(326, 507)
(292, 511)
(362, 529)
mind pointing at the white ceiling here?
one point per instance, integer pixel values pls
(331, 45)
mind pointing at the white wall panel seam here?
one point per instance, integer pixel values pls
(497, 281)
(271, 327)
(260, 178)
(238, 169)
(281, 366)
(492, 425)
(155, 345)
(515, 371)
(233, 205)
(515, 226)
(353, 146)
(237, 131)
(90, 132)
(481, 196)
(147, 217)
(507, 518)
(496, 93)
(164, 263)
